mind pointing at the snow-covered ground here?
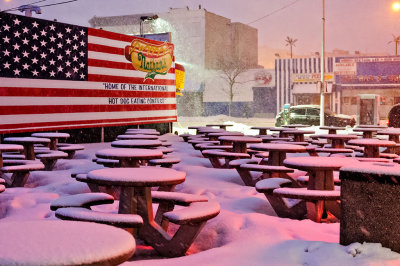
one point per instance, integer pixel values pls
(246, 232)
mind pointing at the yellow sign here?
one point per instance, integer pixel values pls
(310, 77)
(150, 56)
(179, 78)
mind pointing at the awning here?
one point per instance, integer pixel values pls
(308, 88)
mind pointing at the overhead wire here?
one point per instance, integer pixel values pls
(54, 4)
(275, 11)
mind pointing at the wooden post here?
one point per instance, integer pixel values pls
(102, 135)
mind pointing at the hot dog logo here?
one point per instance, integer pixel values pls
(148, 57)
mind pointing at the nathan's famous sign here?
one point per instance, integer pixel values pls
(150, 57)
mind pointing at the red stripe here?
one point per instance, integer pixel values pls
(117, 79)
(106, 49)
(43, 126)
(59, 92)
(117, 36)
(53, 109)
(179, 67)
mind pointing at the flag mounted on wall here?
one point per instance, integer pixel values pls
(61, 76)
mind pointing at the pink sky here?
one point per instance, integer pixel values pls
(363, 25)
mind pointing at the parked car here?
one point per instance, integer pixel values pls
(394, 116)
(309, 115)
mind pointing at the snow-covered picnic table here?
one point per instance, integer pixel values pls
(216, 135)
(367, 132)
(239, 143)
(337, 140)
(63, 243)
(261, 130)
(332, 129)
(137, 136)
(28, 143)
(136, 143)
(371, 146)
(128, 157)
(277, 152)
(8, 147)
(222, 126)
(298, 135)
(53, 136)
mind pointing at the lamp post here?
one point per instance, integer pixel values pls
(145, 19)
(322, 84)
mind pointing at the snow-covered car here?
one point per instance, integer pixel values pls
(310, 114)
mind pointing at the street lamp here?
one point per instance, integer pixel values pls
(145, 19)
(396, 6)
(322, 84)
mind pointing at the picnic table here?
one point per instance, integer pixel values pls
(295, 126)
(136, 143)
(142, 131)
(53, 136)
(239, 143)
(129, 157)
(216, 135)
(393, 134)
(63, 243)
(28, 143)
(367, 132)
(8, 147)
(277, 152)
(281, 131)
(137, 136)
(222, 126)
(332, 129)
(338, 140)
(372, 126)
(298, 134)
(320, 172)
(261, 130)
(371, 146)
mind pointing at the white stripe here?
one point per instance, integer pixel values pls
(64, 84)
(107, 42)
(22, 101)
(107, 57)
(126, 73)
(40, 118)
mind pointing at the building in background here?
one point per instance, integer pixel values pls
(201, 38)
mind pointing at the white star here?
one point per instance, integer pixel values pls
(68, 63)
(75, 70)
(16, 46)
(6, 27)
(52, 27)
(68, 74)
(35, 25)
(68, 41)
(35, 36)
(81, 53)
(35, 48)
(25, 30)
(82, 43)
(16, 72)
(17, 34)
(43, 43)
(6, 65)
(26, 66)
(81, 65)
(59, 57)
(59, 45)
(6, 53)
(68, 52)
(16, 59)
(52, 73)
(75, 58)
(82, 76)
(52, 50)
(59, 69)
(68, 29)
(6, 39)
(25, 53)
(43, 55)
(52, 39)
(34, 60)
(82, 32)
(25, 41)
(75, 37)
(16, 21)
(52, 62)
(43, 33)
(60, 35)
(75, 47)
(35, 73)
(43, 67)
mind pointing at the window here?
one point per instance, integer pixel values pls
(313, 112)
(346, 100)
(298, 111)
(353, 100)
(396, 100)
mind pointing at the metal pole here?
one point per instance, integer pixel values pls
(322, 102)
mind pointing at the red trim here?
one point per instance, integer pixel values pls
(117, 79)
(64, 109)
(29, 127)
(60, 92)
(179, 67)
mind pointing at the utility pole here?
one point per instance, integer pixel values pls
(322, 100)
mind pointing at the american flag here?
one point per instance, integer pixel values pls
(55, 75)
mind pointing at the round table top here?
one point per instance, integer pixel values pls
(291, 131)
(278, 129)
(332, 127)
(337, 136)
(240, 139)
(372, 142)
(295, 125)
(136, 143)
(57, 242)
(219, 125)
(121, 153)
(142, 132)
(50, 135)
(150, 176)
(209, 130)
(226, 133)
(389, 131)
(378, 168)
(11, 147)
(137, 136)
(23, 140)
(372, 126)
(366, 129)
(261, 128)
(278, 147)
(318, 163)
(271, 138)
